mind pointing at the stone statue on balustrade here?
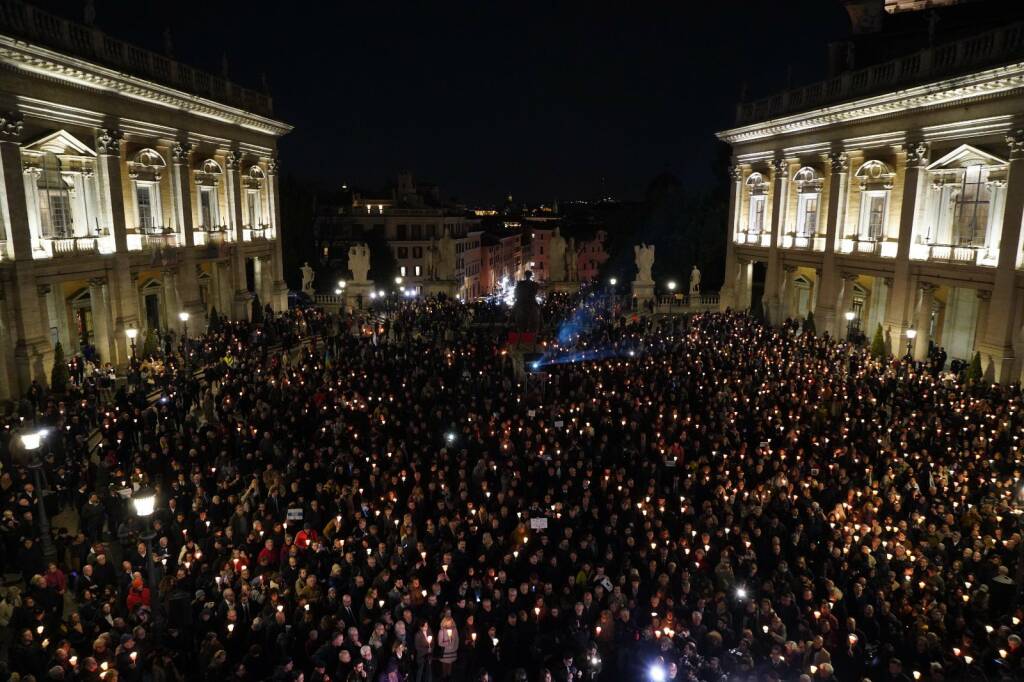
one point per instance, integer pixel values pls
(444, 265)
(572, 262)
(556, 257)
(359, 262)
(694, 281)
(308, 275)
(643, 256)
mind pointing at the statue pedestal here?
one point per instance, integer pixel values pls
(448, 287)
(357, 295)
(562, 287)
(643, 291)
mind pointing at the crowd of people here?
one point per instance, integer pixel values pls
(698, 497)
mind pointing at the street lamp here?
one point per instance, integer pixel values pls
(31, 442)
(183, 316)
(144, 502)
(911, 335)
(672, 288)
(398, 280)
(850, 316)
(613, 281)
(671, 285)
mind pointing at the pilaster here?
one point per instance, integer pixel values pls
(902, 296)
(780, 193)
(825, 303)
(923, 319)
(279, 296)
(108, 186)
(998, 356)
(14, 186)
(727, 295)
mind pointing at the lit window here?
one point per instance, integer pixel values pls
(418, 270)
(208, 206)
(807, 218)
(402, 270)
(756, 215)
(146, 201)
(873, 215)
(254, 207)
(54, 200)
(971, 217)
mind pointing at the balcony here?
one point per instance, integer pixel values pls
(954, 253)
(146, 239)
(999, 46)
(795, 241)
(88, 42)
(62, 247)
(257, 233)
(867, 247)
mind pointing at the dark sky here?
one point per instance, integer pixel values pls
(540, 100)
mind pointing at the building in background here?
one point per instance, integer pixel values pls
(132, 188)
(893, 191)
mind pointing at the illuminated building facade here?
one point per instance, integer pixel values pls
(893, 192)
(133, 188)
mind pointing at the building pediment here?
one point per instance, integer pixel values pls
(966, 155)
(61, 143)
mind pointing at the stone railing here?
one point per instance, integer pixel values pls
(70, 246)
(953, 253)
(796, 241)
(670, 303)
(867, 247)
(1001, 45)
(88, 42)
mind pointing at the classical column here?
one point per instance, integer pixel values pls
(102, 328)
(727, 296)
(902, 296)
(825, 304)
(997, 349)
(981, 324)
(108, 186)
(780, 194)
(14, 185)
(33, 352)
(181, 192)
(279, 296)
(849, 279)
(789, 291)
(743, 293)
(923, 321)
(240, 301)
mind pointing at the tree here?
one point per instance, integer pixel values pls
(974, 369)
(878, 344)
(59, 375)
(809, 324)
(149, 346)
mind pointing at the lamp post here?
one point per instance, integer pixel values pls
(850, 317)
(144, 502)
(131, 333)
(612, 283)
(911, 335)
(672, 294)
(183, 316)
(32, 442)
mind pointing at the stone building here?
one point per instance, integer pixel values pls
(892, 191)
(132, 188)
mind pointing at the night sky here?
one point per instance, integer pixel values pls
(540, 100)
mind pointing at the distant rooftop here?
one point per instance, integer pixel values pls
(23, 21)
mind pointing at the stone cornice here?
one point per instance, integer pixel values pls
(87, 75)
(949, 92)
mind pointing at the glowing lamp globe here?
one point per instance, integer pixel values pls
(32, 441)
(144, 502)
(183, 316)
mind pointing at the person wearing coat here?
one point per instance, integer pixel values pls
(448, 642)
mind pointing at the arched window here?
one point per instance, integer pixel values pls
(808, 188)
(876, 180)
(207, 178)
(254, 197)
(758, 197)
(146, 170)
